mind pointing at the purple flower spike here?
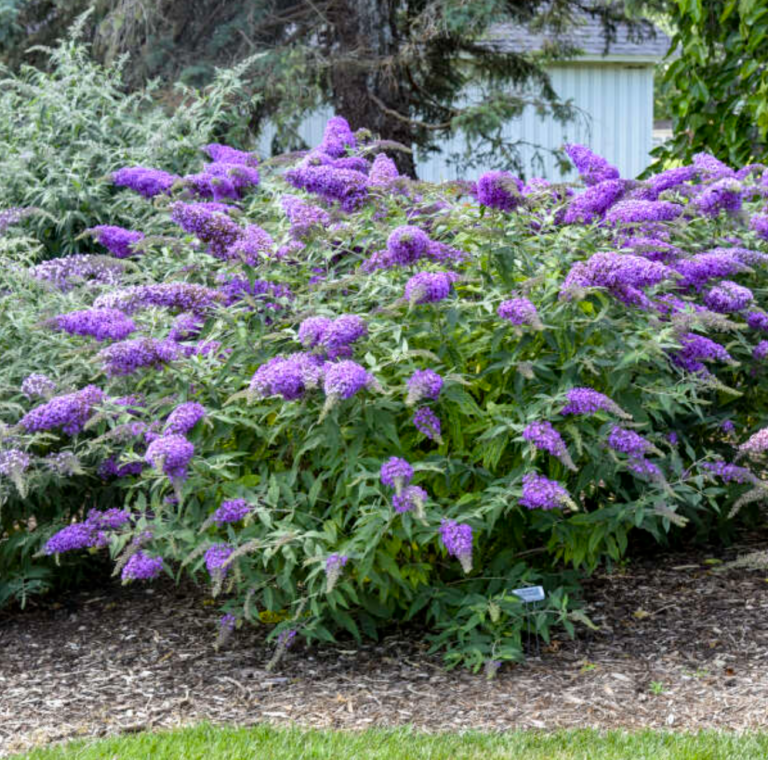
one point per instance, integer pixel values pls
(411, 499)
(128, 356)
(429, 287)
(146, 182)
(37, 385)
(231, 511)
(337, 137)
(117, 240)
(500, 190)
(427, 423)
(728, 297)
(215, 559)
(541, 493)
(101, 324)
(407, 244)
(630, 443)
(172, 454)
(544, 437)
(344, 379)
(423, 384)
(69, 412)
(333, 568)
(592, 168)
(457, 540)
(142, 567)
(519, 311)
(396, 473)
(587, 401)
(184, 417)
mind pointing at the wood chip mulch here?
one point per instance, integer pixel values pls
(680, 646)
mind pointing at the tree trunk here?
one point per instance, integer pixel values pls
(366, 43)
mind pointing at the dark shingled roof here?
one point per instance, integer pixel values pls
(587, 35)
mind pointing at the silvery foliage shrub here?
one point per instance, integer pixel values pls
(63, 129)
(352, 399)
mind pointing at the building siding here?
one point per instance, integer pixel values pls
(616, 100)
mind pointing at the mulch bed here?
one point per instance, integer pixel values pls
(681, 645)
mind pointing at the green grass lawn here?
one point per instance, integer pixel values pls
(208, 742)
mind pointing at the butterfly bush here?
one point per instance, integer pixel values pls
(289, 356)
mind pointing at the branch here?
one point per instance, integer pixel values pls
(397, 115)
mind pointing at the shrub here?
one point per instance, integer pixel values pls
(62, 130)
(389, 402)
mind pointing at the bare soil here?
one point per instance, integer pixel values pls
(682, 645)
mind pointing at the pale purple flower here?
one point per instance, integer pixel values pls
(730, 473)
(128, 356)
(227, 155)
(645, 468)
(290, 376)
(304, 217)
(38, 385)
(337, 137)
(333, 567)
(383, 172)
(215, 559)
(68, 272)
(411, 498)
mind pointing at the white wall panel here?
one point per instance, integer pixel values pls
(617, 101)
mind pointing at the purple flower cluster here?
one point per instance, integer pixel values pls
(69, 272)
(697, 349)
(101, 324)
(545, 438)
(231, 511)
(35, 385)
(411, 498)
(669, 179)
(759, 224)
(91, 533)
(541, 493)
(729, 473)
(429, 287)
(237, 289)
(699, 269)
(174, 296)
(172, 454)
(624, 275)
(760, 351)
(728, 297)
(628, 442)
(710, 168)
(146, 182)
(142, 567)
(593, 169)
(186, 327)
(335, 337)
(225, 155)
(337, 137)
(427, 423)
(345, 378)
(69, 412)
(756, 444)
(457, 539)
(287, 376)
(117, 240)
(635, 211)
(128, 356)
(304, 217)
(13, 215)
(592, 204)
(500, 190)
(723, 195)
(347, 186)
(519, 311)
(210, 223)
(215, 559)
(396, 473)
(220, 180)
(183, 418)
(423, 384)
(588, 401)
(13, 462)
(383, 172)
(252, 247)
(407, 244)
